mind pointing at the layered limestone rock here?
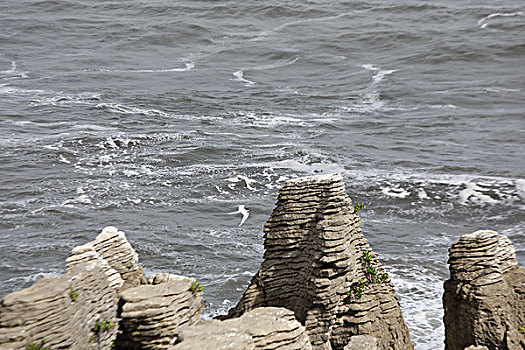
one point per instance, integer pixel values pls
(263, 328)
(484, 298)
(362, 342)
(79, 309)
(112, 246)
(314, 257)
(75, 311)
(152, 314)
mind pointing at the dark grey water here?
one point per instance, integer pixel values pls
(141, 114)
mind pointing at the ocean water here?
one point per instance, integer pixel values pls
(160, 117)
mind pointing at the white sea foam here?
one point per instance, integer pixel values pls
(32, 278)
(247, 181)
(484, 22)
(520, 186)
(6, 89)
(499, 89)
(239, 76)
(188, 66)
(275, 65)
(82, 199)
(369, 100)
(380, 74)
(393, 191)
(124, 109)
(421, 305)
(12, 73)
(264, 33)
(80, 99)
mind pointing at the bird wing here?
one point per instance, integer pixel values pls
(244, 217)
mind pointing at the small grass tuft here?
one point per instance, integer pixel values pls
(195, 287)
(99, 327)
(37, 346)
(73, 294)
(359, 206)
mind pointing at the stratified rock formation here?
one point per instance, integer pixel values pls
(79, 309)
(314, 253)
(484, 298)
(75, 311)
(112, 246)
(152, 314)
(265, 328)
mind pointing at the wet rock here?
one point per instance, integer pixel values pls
(484, 298)
(152, 314)
(314, 255)
(262, 328)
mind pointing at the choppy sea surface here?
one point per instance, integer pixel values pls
(160, 117)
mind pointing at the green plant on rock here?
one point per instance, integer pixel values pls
(36, 346)
(99, 327)
(195, 287)
(357, 290)
(73, 294)
(521, 330)
(359, 206)
(371, 276)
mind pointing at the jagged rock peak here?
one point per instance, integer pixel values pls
(112, 246)
(484, 298)
(264, 328)
(314, 254)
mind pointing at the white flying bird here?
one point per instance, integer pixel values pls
(242, 210)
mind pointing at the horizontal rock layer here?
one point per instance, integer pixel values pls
(262, 328)
(152, 314)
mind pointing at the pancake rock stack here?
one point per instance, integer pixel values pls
(75, 311)
(79, 309)
(484, 298)
(262, 328)
(112, 246)
(314, 255)
(152, 314)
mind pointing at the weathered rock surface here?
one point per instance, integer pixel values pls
(112, 246)
(362, 342)
(313, 255)
(63, 310)
(263, 328)
(484, 298)
(152, 314)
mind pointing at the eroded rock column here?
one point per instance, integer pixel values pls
(484, 298)
(314, 252)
